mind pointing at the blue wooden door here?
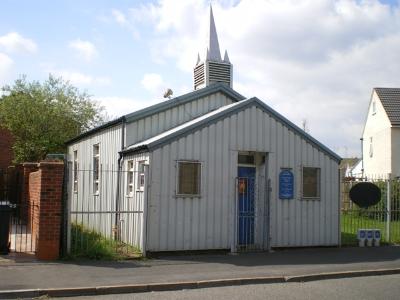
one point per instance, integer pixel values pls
(246, 192)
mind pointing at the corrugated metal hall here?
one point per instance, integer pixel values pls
(207, 170)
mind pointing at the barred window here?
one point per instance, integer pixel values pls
(96, 168)
(311, 182)
(75, 171)
(189, 178)
(140, 179)
(130, 177)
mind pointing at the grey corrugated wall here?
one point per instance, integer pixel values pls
(207, 222)
(160, 122)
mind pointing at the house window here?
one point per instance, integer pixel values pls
(311, 182)
(371, 148)
(130, 178)
(75, 166)
(373, 107)
(140, 178)
(96, 168)
(246, 159)
(189, 178)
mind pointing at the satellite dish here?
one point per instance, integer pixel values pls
(365, 194)
(168, 93)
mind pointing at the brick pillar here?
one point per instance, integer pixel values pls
(34, 200)
(46, 194)
(26, 170)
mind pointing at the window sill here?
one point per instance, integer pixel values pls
(187, 196)
(311, 198)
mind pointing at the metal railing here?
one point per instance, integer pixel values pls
(105, 213)
(384, 216)
(22, 235)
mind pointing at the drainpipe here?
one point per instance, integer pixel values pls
(118, 193)
(362, 158)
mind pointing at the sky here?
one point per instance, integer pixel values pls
(314, 61)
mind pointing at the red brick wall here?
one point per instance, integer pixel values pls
(45, 196)
(27, 169)
(34, 201)
(6, 152)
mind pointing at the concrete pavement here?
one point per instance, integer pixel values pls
(177, 272)
(365, 288)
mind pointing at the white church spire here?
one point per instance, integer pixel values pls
(212, 69)
(226, 57)
(213, 45)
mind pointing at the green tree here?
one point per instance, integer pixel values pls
(43, 116)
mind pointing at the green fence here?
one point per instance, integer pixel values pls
(384, 216)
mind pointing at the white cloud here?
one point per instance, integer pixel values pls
(126, 22)
(6, 64)
(312, 59)
(153, 83)
(81, 79)
(119, 17)
(118, 106)
(14, 42)
(84, 49)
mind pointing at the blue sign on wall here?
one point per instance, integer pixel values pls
(286, 184)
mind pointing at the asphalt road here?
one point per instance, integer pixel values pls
(374, 287)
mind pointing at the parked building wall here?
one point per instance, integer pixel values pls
(208, 221)
(83, 194)
(132, 199)
(110, 143)
(395, 155)
(377, 149)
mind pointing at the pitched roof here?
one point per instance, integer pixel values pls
(164, 105)
(390, 98)
(216, 115)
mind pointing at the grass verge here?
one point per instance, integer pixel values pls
(89, 244)
(352, 221)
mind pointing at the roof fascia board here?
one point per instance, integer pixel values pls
(227, 113)
(266, 108)
(95, 130)
(148, 111)
(367, 114)
(369, 106)
(218, 87)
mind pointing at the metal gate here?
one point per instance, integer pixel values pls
(21, 237)
(105, 213)
(252, 211)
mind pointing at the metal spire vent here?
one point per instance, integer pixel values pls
(212, 69)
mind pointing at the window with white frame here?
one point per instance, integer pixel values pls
(371, 148)
(140, 176)
(96, 168)
(373, 107)
(75, 166)
(189, 178)
(130, 175)
(311, 182)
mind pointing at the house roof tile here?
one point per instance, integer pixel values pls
(390, 98)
